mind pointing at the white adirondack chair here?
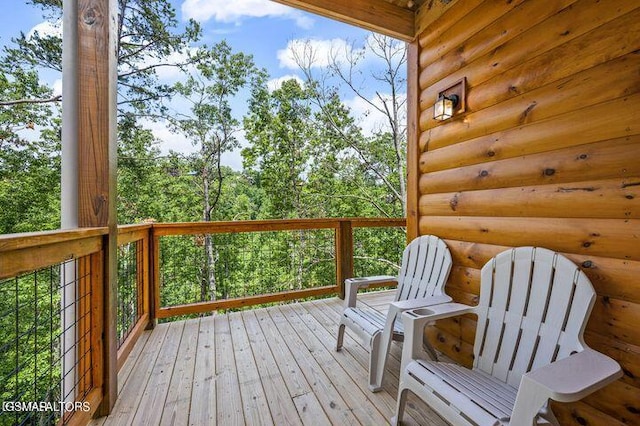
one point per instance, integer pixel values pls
(426, 263)
(534, 306)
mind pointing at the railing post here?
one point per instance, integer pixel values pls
(344, 254)
(153, 289)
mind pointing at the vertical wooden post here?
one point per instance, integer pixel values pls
(142, 272)
(413, 147)
(154, 282)
(344, 254)
(97, 153)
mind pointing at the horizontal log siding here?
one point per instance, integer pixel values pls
(547, 154)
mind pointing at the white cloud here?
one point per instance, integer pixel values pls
(234, 11)
(370, 118)
(173, 73)
(176, 142)
(46, 28)
(314, 52)
(276, 83)
(169, 141)
(57, 87)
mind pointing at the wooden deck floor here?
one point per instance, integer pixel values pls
(266, 366)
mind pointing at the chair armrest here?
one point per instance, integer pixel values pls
(351, 286)
(414, 322)
(576, 376)
(565, 380)
(406, 305)
(435, 312)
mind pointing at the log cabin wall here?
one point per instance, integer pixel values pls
(547, 154)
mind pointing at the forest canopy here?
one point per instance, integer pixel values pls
(305, 154)
(304, 151)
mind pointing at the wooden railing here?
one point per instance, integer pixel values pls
(58, 278)
(134, 277)
(51, 293)
(340, 254)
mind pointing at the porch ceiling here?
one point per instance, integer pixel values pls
(395, 18)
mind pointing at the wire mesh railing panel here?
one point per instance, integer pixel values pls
(377, 251)
(45, 344)
(199, 268)
(129, 297)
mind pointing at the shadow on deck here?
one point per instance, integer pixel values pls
(274, 365)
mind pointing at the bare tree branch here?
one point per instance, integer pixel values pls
(31, 101)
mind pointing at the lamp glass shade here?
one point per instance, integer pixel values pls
(443, 108)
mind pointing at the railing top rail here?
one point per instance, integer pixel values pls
(11, 242)
(124, 229)
(269, 225)
(377, 222)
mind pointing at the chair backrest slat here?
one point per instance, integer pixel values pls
(533, 308)
(426, 263)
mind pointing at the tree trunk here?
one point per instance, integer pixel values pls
(209, 281)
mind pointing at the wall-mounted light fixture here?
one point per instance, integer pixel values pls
(444, 106)
(451, 101)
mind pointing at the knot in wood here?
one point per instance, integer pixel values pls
(89, 17)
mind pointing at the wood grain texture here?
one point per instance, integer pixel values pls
(375, 15)
(413, 150)
(455, 36)
(433, 18)
(565, 32)
(15, 262)
(284, 356)
(610, 198)
(614, 119)
(609, 80)
(598, 237)
(599, 160)
(497, 32)
(545, 155)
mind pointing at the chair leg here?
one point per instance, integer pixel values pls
(381, 348)
(375, 376)
(340, 337)
(402, 400)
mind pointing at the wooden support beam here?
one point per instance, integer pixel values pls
(413, 150)
(97, 151)
(375, 15)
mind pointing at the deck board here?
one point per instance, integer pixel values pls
(283, 409)
(203, 389)
(229, 400)
(176, 407)
(274, 365)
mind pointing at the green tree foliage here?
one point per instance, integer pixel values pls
(210, 124)
(278, 128)
(382, 155)
(29, 159)
(149, 37)
(306, 157)
(152, 187)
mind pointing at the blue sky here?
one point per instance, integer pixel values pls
(261, 28)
